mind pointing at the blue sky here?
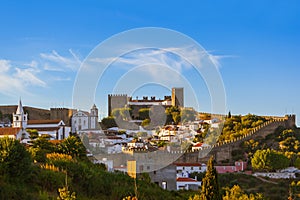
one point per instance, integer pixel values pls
(257, 45)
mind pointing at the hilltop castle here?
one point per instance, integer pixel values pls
(122, 100)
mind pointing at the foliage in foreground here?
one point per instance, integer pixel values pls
(41, 180)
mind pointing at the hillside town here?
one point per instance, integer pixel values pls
(174, 154)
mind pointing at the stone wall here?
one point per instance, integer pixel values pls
(33, 113)
(222, 151)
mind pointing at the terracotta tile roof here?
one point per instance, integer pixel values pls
(48, 121)
(188, 164)
(198, 144)
(9, 131)
(182, 179)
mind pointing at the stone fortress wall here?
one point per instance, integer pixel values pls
(222, 151)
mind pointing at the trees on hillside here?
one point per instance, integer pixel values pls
(15, 161)
(236, 193)
(269, 160)
(109, 122)
(237, 126)
(173, 115)
(188, 114)
(40, 147)
(72, 146)
(210, 187)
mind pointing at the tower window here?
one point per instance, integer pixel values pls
(17, 118)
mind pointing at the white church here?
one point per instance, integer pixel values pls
(54, 129)
(18, 129)
(84, 121)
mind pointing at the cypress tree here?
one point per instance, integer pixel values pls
(210, 187)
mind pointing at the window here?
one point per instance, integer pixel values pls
(192, 168)
(17, 118)
(155, 173)
(164, 185)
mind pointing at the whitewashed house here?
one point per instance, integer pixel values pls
(187, 184)
(55, 129)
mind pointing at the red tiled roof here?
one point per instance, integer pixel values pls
(188, 164)
(9, 131)
(182, 179)
(48, 121)
(198, 144)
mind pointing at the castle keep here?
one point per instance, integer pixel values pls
(122, 100)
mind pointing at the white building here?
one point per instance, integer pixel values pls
(14, 133)
(20, 118)
(187, 184)
(82, 120)
(55, 129)
(183, 171)
(18, 131)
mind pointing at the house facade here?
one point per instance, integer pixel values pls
(55, 129)
(82, 120)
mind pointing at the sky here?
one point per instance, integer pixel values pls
(255, 45)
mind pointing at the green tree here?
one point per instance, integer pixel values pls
(210, 187)
(269, 160)
(40, 147)
(33, 133)
(145, 122)
(173, 115)
(109, 122)
(15, 161)
(236, 193)
(229, 114)
(188, 114)
(72, 146)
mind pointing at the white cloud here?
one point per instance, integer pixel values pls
(4, 66)
(15, 80)
(28, 77)
(165, 57)
(55, 62)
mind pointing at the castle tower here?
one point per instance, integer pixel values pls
(94, 117)
(116, 101)
(177, 97)
(20, 118)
